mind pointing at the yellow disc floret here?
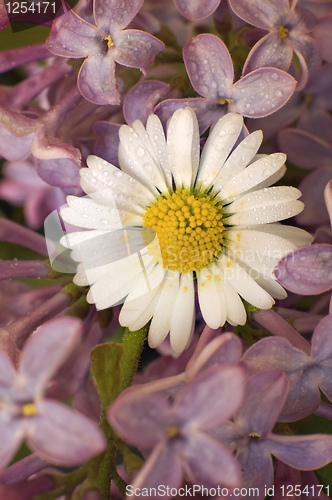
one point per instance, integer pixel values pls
(189, 229)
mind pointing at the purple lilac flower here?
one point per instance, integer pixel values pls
(104, 45)
(196, 9)
(22, 186)
(289, 32)
(54, 431)
(250, 434)
(176, 432)
(210, 69)
(307, 374)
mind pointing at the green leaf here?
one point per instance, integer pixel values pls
(105, 369)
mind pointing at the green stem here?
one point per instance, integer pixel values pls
(132, 348)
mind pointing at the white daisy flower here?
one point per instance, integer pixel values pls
(171, 218)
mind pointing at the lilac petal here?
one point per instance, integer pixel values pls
(303, 398)
(328, 198)
(321, 342)
(107, 142)
(140, 419)
(303, 149)
(309, 49)
(264, 398)
(211, 76)
(47, 350)
(256, 465)
(206, 112)
(211, 397)
(208, 463)
(162, 468)
(274, 354)
(312, 189)
(16, 123)
(196, 9)
(61, 436)
(96, 80)
(7, 371)
(307, 271)
(270, 51)
(226, 348)
(59, 172)
(324, 379)
(45, 147)
(136, 49)
(13, 58)
(302, 452)
(4, 20)
(316, 121)
(11, 435)
(323, 35)
(275, 86)
(264, 15)
(142, 98)
(14, 148)
(114, 15)
(71, 36)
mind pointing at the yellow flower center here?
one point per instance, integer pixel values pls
(29, 409)
(172, 431)
(283, 32)
(189, 229)
(223, 100)
(109, 40)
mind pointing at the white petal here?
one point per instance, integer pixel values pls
(117, 281)
(218, 146)
(213, 311)
(86, 213)
(139, 307)
(265, 214)
(236, 313)
(262, 198)
(136, 161)
(161, 321)
(72, 239)
(254, 174)
(240, 157)
(260, 242)
(244, 284)
(183, 146)
(183, 314)
(298, 237)
(156, 134)
(101, 176)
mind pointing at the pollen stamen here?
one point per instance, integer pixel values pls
(189, 229)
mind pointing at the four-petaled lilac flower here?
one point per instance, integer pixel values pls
(307, 374)
(289, 29)
(103, 45)
(55, 432)
(210, 69)
(250, 434)
(176, 432)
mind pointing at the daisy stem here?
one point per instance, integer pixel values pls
(132, 345)
(270, 320)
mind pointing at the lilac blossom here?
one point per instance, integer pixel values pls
(289, 29)
(195, 9)
(250, 434)
(53, 430)
(307, 374)
(104, 45)
(212, 77)
(23, 187)
(176, 432)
